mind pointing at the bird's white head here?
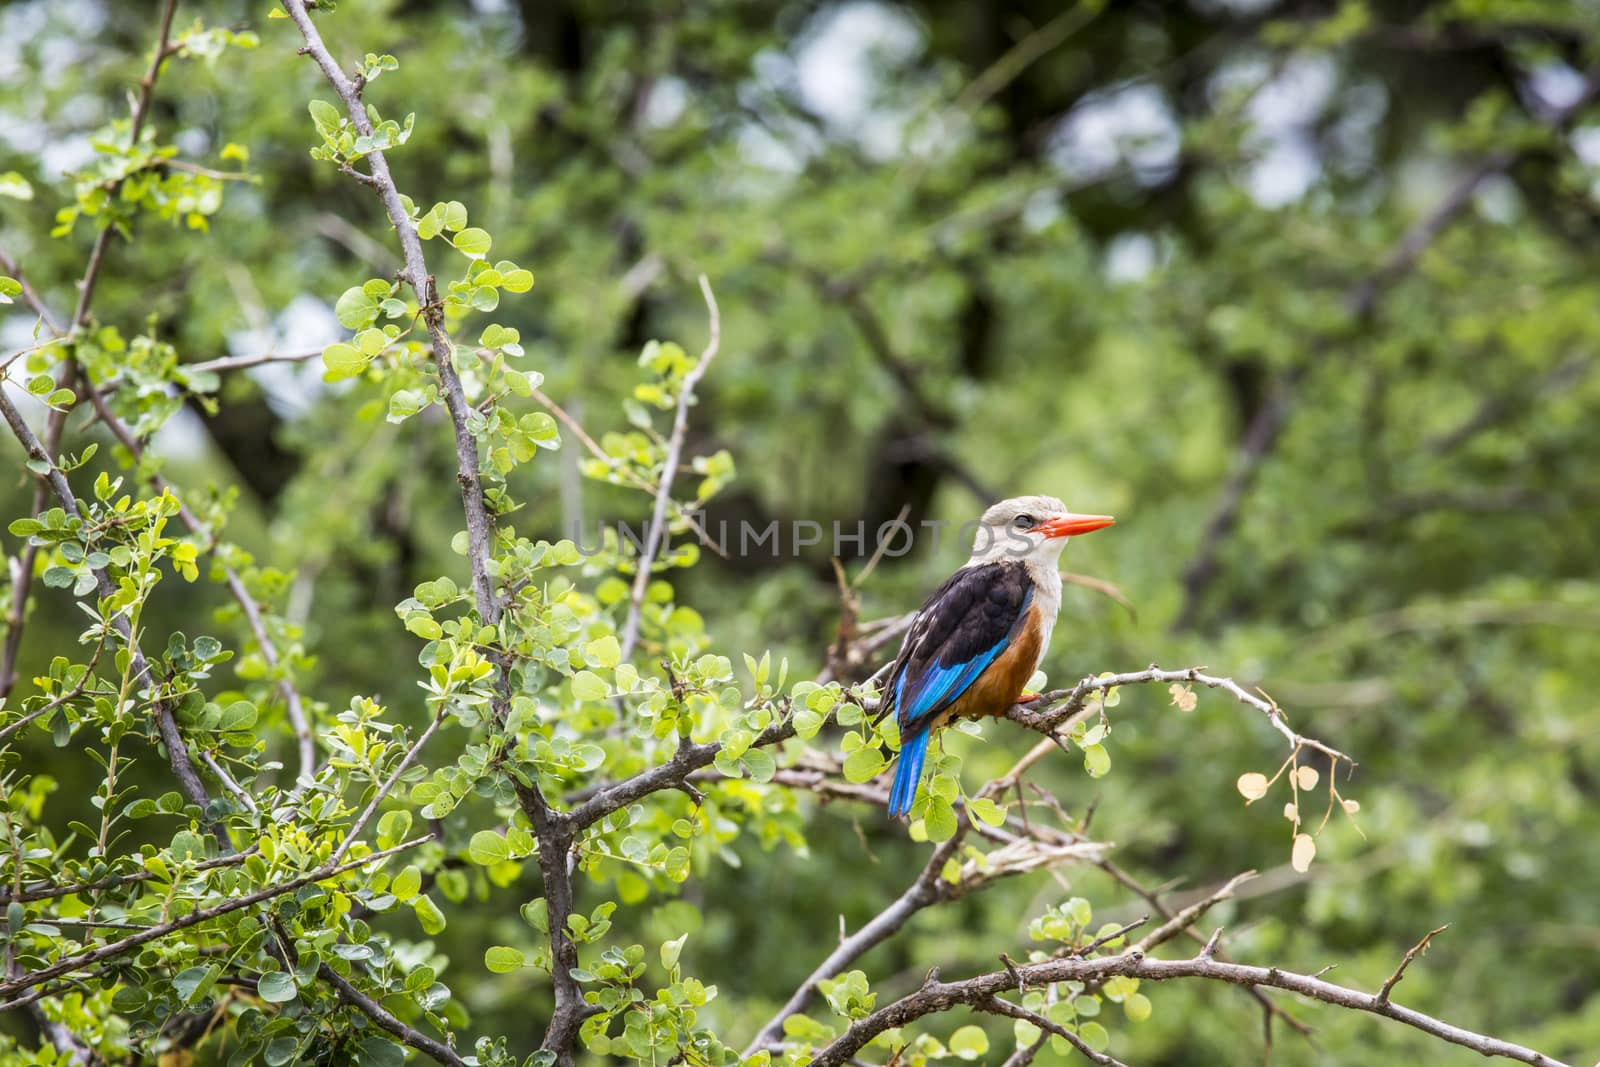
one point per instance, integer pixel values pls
(1031, 529)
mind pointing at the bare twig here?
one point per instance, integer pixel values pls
(352, 834)
(669, 470)
(228, 783)
(228, 363)
(1420, 948)
(1184, 920)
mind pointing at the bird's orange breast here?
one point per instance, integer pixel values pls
(997, 688)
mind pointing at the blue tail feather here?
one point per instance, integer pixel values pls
(913, 750)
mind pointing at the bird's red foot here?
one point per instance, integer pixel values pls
(1027, 698)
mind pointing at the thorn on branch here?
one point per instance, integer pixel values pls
(1016, 975)
(1400, 972)
(1109, 937)
(1210, 948)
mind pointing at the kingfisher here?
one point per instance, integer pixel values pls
(978, 639)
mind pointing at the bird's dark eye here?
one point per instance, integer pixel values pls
(1024, 522)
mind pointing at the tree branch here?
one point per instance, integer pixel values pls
(936, 996)
(1412, 953)
(926, 889)
(997, 1006)
(1061, 704)
(669, 470)
(385, 1019)
(480, 530)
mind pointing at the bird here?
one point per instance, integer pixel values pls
(978, 639)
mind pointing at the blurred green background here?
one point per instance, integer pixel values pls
(966, 251)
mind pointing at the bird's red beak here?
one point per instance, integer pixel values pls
(1073, 525)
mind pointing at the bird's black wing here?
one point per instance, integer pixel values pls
(963, 627)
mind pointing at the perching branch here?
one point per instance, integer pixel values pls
(669, 469)
(1061, 704)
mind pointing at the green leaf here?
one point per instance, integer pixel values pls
(969, 1042)
(502, 959)
(760, 764)
(326, 117)
(587, 685)
(15, 186)
(240, 715)
(604, 651)
(670, 951)
(356, 308)
(1096, 760)
(985, 810)
(1137, 1007)
(472, 241)
(280, 1050)
(407, 884)
(381, 1052)
(277, 987)
(940, 819)
(194, 981)
(342, 361)
(1094, 1035)
(429, 915)
(393, 827)
(863, 765)
(487, 847)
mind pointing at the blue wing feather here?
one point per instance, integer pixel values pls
(961, 631)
